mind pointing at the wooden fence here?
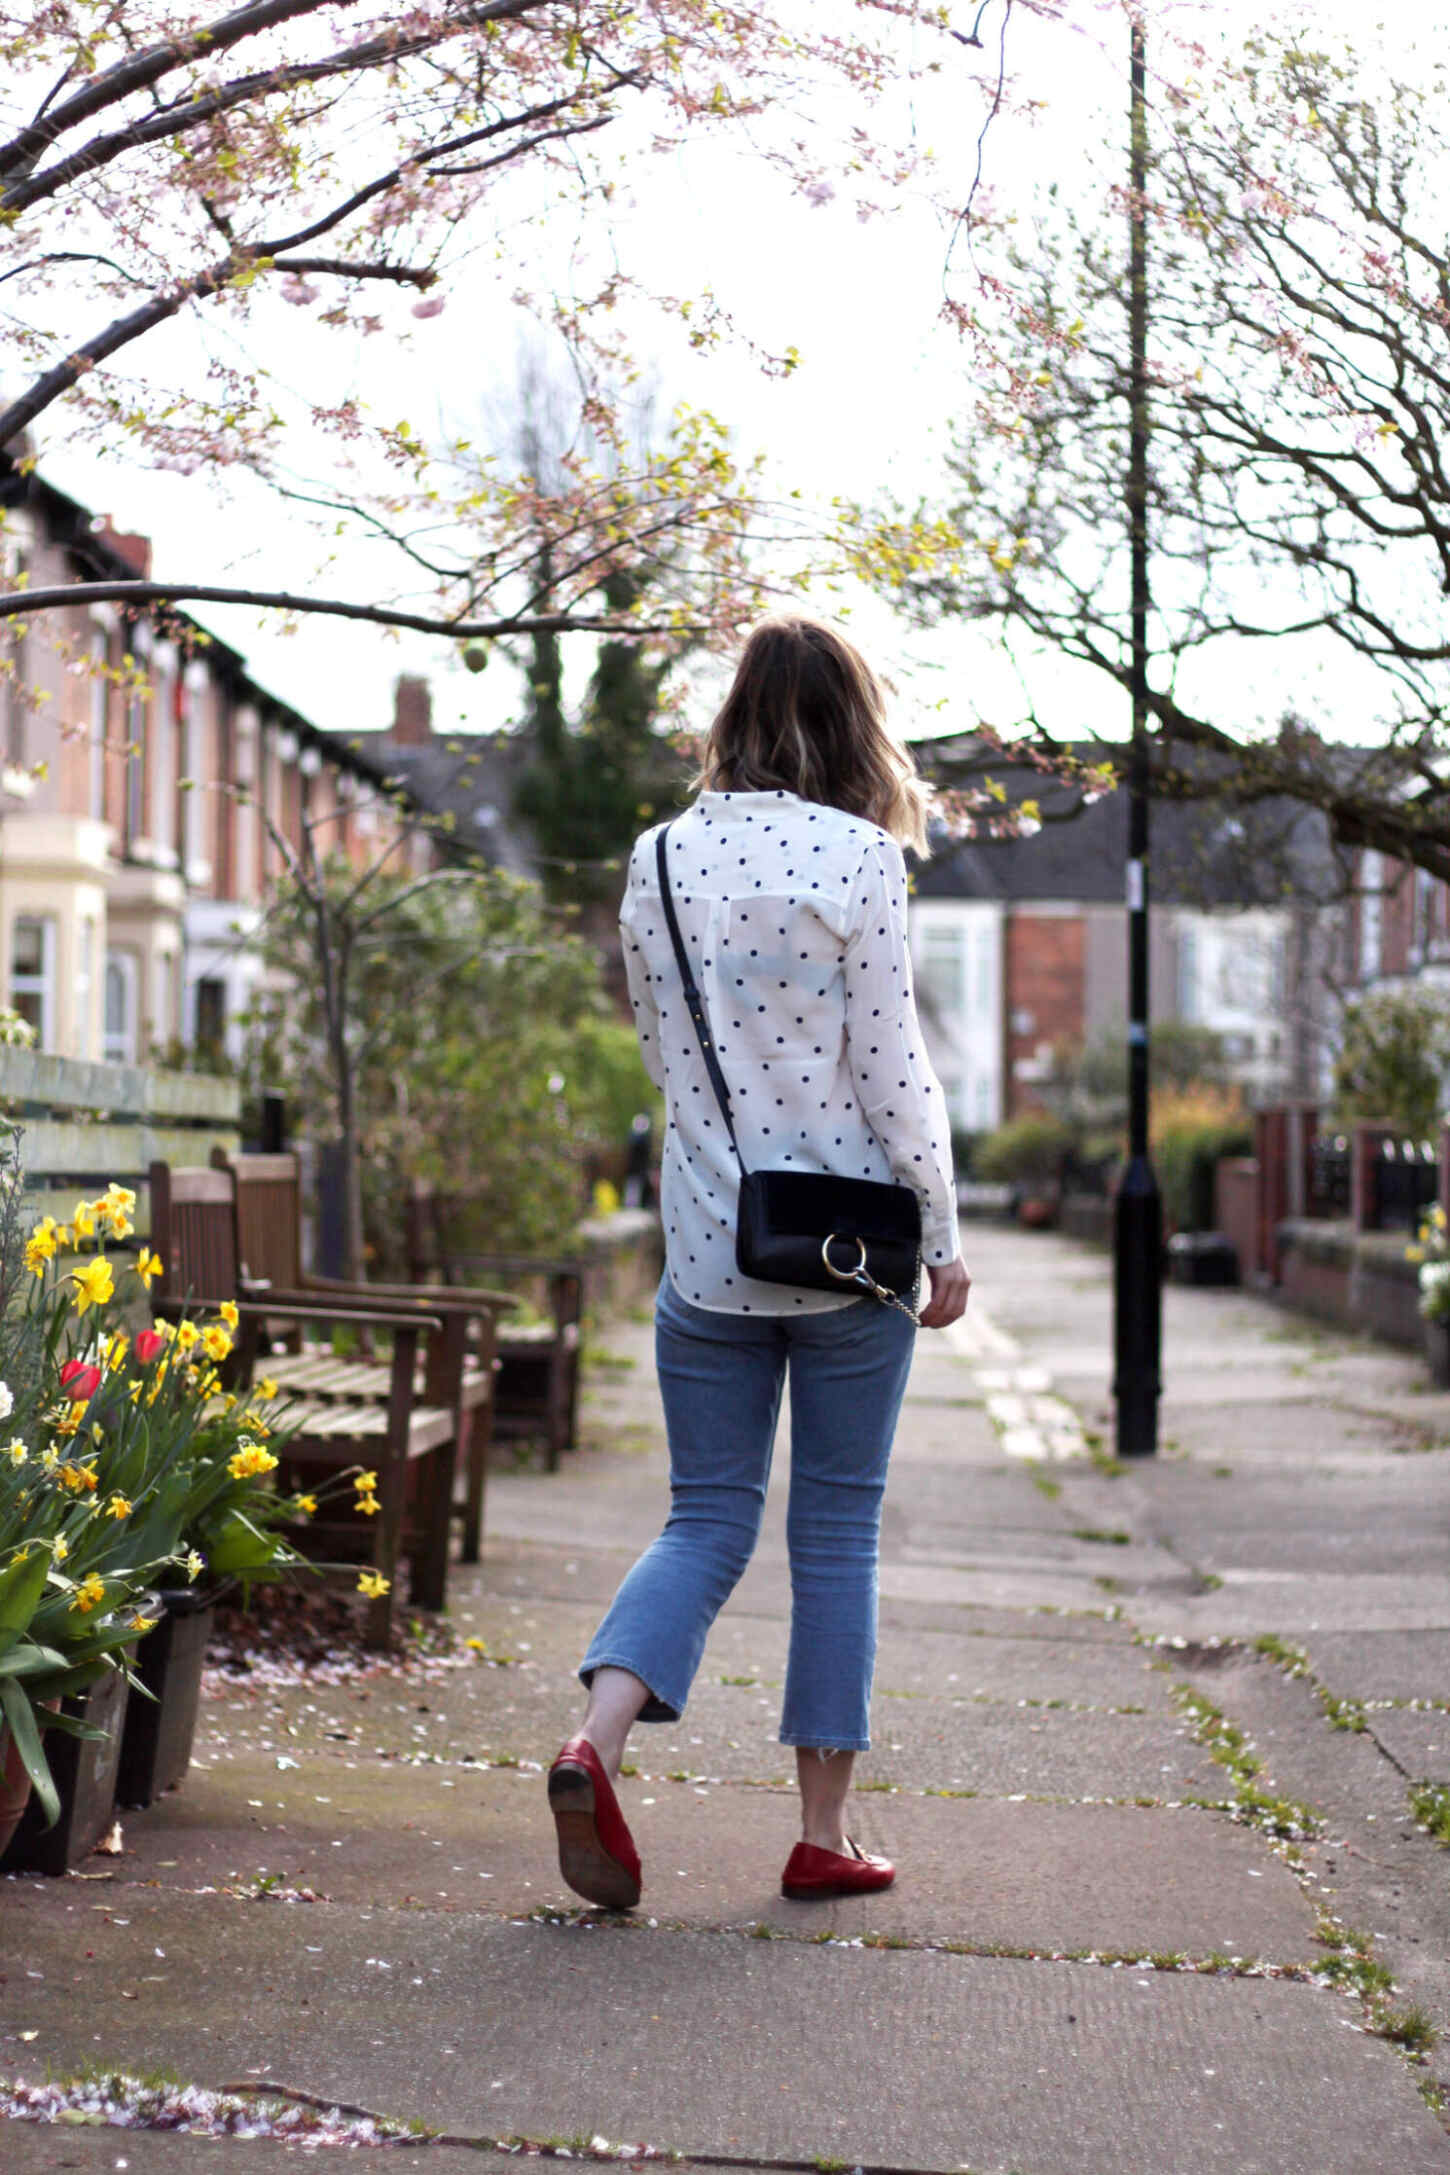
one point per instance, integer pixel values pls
(83, 1125)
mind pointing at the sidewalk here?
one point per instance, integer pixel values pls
(1113, 1946)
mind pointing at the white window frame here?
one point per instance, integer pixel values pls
(85, 971)
(119, 1047)
(41, 985)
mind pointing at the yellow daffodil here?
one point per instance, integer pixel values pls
(478, 1646)
(165, 1329)
(16, 1451)
(307, 1505)
(216, 1341)
(60, 1548)
(373, 1584)
(265, 1390)
(78, 1478)
(195, 1564)
(119, 1224)
(65, 1238)
(187, 1336)
(144, 1623)
(70, 1420)
(84, 1224)
(117, 1197)
(368, 1505)
(114, 1349)
(228, 1313)
(38, 1251)
(118, 1507)
(50, 1458)
(148, 1268)
(365, 1483)
(249, 1460)
(90, 1593)
(94, 1284)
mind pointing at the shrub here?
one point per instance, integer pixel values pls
(1030, 1150)
(1191, 1133)
(1393, 1057)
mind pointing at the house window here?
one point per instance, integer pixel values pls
(32, 975)
(16, 655)
(1187, 973)
(135, 822)
(120, 1025)
(1371, 916)
(100, 706)
(85, 970)
(942, 969)
(211, 1014)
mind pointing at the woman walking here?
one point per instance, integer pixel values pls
(786, 880)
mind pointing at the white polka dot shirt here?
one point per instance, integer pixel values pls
(794, 918)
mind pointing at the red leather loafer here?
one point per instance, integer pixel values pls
(811, 1874)
(597, 1856)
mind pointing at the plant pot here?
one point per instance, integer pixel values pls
(157, 1740)
(1437, 1352)
(14, 1787)
(84, 1771)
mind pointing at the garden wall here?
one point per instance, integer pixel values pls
(1360, 1280)
(85, 1124)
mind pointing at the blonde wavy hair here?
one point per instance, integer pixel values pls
(806, 713)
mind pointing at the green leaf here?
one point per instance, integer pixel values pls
(23, 1728)
(22, 1583)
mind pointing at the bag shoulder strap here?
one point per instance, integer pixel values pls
(694, 1003)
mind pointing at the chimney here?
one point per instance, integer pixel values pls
(412, 712)
(135, 550)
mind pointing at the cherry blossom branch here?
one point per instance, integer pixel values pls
(123, 330)
(142, 69)
(137, 594)
(180, 118)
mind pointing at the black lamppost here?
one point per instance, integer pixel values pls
(1138, 1212)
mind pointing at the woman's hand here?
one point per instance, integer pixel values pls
(950, 1284)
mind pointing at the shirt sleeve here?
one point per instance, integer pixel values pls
(641, 983)
(900, 1096)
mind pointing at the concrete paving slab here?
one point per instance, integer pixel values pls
(1389, 1520)
(730, 1733)
(712, 2043)
(1384, 1664)
(1418, 1741)
(533, 1572)
(527, 1708)
(35, 2148)
(988, 1872)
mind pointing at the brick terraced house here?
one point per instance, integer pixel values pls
(133, 855)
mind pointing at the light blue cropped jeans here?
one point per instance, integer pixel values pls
(721, 1377)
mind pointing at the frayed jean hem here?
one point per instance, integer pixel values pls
(828, 1751)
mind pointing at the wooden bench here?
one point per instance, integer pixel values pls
(536, 1391)
(269, 1231)
(398, 1416)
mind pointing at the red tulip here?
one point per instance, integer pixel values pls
(79, 1381)
(148, 1342)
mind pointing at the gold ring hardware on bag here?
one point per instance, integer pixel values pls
(856, 1272)
(860, 1274)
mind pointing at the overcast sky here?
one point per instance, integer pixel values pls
(870, 406)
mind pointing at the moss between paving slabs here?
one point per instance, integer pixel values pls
(1286, 1824)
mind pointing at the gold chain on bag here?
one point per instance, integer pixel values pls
(861, 1275)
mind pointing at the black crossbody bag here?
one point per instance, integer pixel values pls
(808, 1228)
